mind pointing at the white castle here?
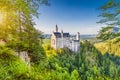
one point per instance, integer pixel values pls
(62, 40)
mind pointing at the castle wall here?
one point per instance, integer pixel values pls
(75, 46)
(66, 42)
(53, 41)
(58, 43)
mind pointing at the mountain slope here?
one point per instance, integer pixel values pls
(110, 46)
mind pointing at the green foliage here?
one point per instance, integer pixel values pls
(37, 53)
(12, 69)
(106, 33)
(75, 75)
(88, 64)
(18, 27)
(110, 12)
(6, 53)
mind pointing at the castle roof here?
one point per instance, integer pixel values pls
(58, 34)
(66, 35)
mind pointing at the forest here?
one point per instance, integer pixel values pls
(95, 60)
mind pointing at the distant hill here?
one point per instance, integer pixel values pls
(88, 36)
(81, 36)
(47, 36)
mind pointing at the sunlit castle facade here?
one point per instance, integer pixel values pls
(62, 40)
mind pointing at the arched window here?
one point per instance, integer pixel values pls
(53, 41)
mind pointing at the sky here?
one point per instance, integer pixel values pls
(71, 16)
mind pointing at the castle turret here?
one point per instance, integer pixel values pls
(61, 31)
(78, 36)
(56, 29)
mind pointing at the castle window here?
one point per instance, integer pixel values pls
(53, 41)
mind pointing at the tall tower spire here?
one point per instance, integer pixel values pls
(78, 36)
(56, 28)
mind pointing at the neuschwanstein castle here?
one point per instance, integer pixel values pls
(62, 40)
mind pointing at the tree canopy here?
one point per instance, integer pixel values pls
(110, 13)
(111, 17)
(17, 25)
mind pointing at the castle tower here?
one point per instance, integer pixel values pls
(78, 36)
(61, 31)
(56, 29)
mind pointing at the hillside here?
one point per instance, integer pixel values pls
(109, 46)
(88, 64)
